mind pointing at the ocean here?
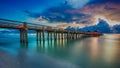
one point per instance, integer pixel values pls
(85, 52)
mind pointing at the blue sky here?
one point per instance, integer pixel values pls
(14, 9)
(63, 13)
(83, 12)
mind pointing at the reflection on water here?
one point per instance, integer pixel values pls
(86, 52)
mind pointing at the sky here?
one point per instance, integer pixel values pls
(63, 13)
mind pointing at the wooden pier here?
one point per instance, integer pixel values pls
(41, 30)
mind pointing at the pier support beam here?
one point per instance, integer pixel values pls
(62, 35)
(23, 34)
(51, 36)
(48, 37)
(59, 35)
(65, 35)
(38, 35)
(76, 37)
(68, 35)
(54, 34)
(72, 35)
(43, 33)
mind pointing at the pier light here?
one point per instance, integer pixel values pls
(95, 32)
(89, 32)
(20, 26)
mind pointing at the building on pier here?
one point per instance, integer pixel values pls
(96, 32)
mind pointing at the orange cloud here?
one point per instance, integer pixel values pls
(110, 11)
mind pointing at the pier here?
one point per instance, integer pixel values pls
(41, 30)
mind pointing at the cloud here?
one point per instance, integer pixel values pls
(63, 13)
(86, 13)
(102, 1)
(32, 14)
(78, 3)
(116, 29)
(110, 11)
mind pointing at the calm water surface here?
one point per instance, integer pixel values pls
(88, 52)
